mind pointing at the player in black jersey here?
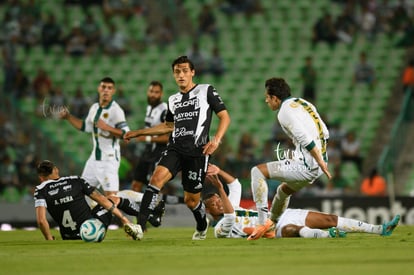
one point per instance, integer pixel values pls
(154, 145)
(64, 199)
(188, 120)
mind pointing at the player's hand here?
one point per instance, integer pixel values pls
(130, 135)
(64, 113)
(214, 180)
(324, 168)
(210, 147)
(212, 169)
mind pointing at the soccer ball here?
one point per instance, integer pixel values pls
(92, 230)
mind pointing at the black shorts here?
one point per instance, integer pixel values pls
(102, 214)
(193, 169)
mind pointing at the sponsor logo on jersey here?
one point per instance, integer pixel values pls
(53, 192)
(67, 188)
(192, 102)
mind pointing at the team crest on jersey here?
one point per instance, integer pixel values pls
(67, 188)
(294, 105)
(53, 192)
(105, 115)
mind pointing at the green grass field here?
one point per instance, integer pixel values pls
(171, 251)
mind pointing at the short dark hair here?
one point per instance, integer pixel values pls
(182, 59)
(45, 168)
(277, 87)
(156, 83)
(107, 79)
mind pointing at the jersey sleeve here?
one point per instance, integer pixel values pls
(39, 198)
(120, 120)
(214, 99)
(235, 192)
(169, 116)
(292, 123)
(223, 227)
(87, 189)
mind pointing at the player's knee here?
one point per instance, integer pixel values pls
(332, 220)
(290, 231)
(256, 173)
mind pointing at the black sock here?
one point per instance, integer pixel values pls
(129, 207)
(148, 203)
(200, 216)
(169, 199)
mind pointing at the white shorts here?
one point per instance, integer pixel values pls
(102, 173)
(291, 216)
(294, 173)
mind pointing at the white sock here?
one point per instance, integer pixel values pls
(131, 195)
(306, 232)
(279, 204)
(260, 193)
(351, 225)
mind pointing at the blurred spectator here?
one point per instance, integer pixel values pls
(334, 151)
(246, 153)
(199, 59)
(338, 184)
(115, 42)
(367, 23)
(123, 8)
(79, 105)
(166, 32)
(42, 84)
(407, 39)
(224, 155)
(207, 23)
(350, 149)
(21, 84)
(408, 76)
(324, 31)
(8, 174)
(123, 101)
(346, 26)
(30, 35)
(336, 132)
(57, 98)
(92, 31)
(247, 7)
(216, 63)
(374, 184)
(309, 77)
(9, 49)
(51, 34)
(75, 42)
(364, 72)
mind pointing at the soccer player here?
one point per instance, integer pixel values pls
(64, 199)
(236, 222)
(106, 121)
(155, 145)
(188, 120)
(301, 122)
(230, 219)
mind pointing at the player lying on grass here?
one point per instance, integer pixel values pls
(225, 209)
(235, 222)
(310, 224)
(64, 199)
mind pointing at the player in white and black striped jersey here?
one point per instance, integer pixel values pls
(188, 120)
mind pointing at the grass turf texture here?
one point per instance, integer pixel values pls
(171, 251)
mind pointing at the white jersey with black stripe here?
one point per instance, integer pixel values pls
(105, 146)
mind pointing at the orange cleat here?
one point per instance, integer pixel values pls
(268, 228)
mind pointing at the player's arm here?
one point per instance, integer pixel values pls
(227, 207)
(76, 122)
(160, 129)
(108, 205)
(43, 223)
(224, 122)
(162, 139)
(112, 130)
(233, 184)
(316, 154)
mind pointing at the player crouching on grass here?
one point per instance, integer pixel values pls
(64, 198)
(232, 221)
